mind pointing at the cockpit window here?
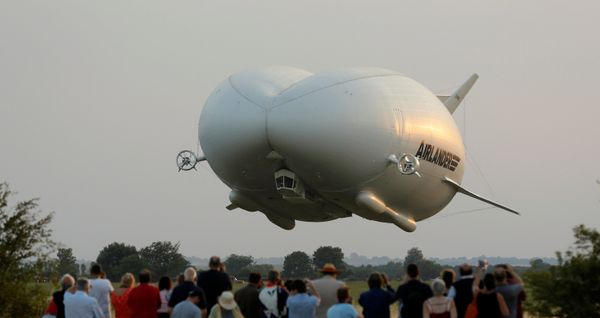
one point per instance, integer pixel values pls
(289, 182)
(279, 183)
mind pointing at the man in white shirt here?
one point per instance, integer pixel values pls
(101, 289)
(80, 305)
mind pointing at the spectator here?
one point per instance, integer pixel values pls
(327, 287)
(247, 297)
(101, 288)
(511, 280)
(510, 292)
(180, 279)
(448, 276)
(462, 290)
(213, 281)
(68, 288)
(274, 296)
(144, 300)
(164, 287)
(57, 307)
(81, 305)
(225, 307)
(376, 301)
(120, 296)
(189, 307)
(300, 304)
(344, 308)
(182, 291)
(490, 304)
(439, 306)
(412, 294)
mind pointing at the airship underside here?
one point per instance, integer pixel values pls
(317, 147)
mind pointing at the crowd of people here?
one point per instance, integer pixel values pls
(209, 294)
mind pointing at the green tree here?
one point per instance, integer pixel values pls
(25, 245)
(235, 264)
(413, 256)
(298, 265)
(130, 264)
(163, 259)
(428, 269)
(110, 259)
(391, 269)
(538, 264)
(67, 263)
(571, 288)
(263, 269)
(329, 254)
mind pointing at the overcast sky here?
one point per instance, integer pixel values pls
(97, 98)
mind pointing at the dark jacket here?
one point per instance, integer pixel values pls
(247, 300)
(181, 293)
(376, 302)
(464, 295)
(412, 295)
(58, 298)
(213, 282)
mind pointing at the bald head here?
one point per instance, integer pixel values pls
(189, 274)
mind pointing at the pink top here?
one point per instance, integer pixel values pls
(164, 300)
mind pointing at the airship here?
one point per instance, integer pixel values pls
(298, 146)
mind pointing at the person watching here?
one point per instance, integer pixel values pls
(344, 308)
(81, 305)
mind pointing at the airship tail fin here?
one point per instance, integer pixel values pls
(451, 102)
(464, 191)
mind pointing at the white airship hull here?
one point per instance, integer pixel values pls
(330, 136)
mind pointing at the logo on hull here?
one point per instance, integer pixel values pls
(438, 156)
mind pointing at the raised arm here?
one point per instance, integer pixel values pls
(453, 313)
(503, 307)
(477, 280)
(425, 310)
(312, 287)
(516, 278)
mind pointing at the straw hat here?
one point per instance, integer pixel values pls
(329, 269)
(226, 300)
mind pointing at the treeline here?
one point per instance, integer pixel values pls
(162, 258)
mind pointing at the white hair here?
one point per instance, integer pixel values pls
(438, 286)
(189, 274)
(64, 278)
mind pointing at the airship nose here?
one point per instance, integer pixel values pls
(232, 130)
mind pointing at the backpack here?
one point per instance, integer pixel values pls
(273, 300)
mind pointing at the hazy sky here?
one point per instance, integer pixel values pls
(97, 98)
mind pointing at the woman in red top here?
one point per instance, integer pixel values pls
(120, 296)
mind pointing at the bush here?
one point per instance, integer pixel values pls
(24, 248)
(571, 288)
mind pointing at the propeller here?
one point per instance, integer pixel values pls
(187, 160)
